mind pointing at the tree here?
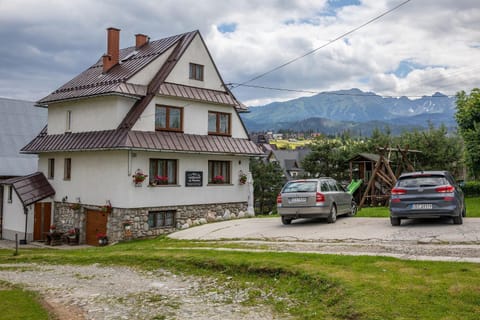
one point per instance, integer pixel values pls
(329, 157)
(468, 120)
(440, 150)
(268, 180)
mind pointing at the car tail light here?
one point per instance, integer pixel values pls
(396, 200)
(319, 197)
(445, 189)
(279, 199)
(399, 191)
(448, 198)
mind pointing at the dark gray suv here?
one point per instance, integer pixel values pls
(313, 198)
(426, 194)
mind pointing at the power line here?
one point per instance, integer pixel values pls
(322, 46)
(366, 94)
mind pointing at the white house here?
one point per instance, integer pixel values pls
(161, 109)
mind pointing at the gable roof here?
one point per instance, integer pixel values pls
(94, 82)
(20, 122)
(31, 188)
(141, 140)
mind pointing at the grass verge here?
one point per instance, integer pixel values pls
(17, 303)
(307, 286)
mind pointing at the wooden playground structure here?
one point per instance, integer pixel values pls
(377, 170)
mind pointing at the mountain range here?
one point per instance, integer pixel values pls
(353, 110)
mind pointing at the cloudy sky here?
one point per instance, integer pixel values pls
(420, 48)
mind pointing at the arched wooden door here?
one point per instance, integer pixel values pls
(42, 220)
(96, 223)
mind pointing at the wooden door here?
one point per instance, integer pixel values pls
(41, 220)
(96, 223)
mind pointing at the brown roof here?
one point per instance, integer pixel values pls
(93, 82)
(31, 188)
(194, 93)
(141, 140)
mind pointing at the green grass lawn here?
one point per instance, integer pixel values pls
(307, 286)
(17, 304)
(472, 204)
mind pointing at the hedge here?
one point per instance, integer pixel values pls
(471, 188)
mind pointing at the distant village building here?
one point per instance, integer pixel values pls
(145, 141)
(290, 161)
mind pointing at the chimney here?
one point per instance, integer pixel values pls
(141, 40)
(112, 57)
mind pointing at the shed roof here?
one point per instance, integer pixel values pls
(31, 188)
(366, 156)
(20, 122)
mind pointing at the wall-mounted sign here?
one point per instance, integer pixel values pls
(194, 178)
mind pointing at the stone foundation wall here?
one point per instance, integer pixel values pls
(125, 224)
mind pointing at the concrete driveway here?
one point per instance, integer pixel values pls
(414, 239)
(345, 229)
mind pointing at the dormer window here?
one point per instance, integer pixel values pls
(168, 118)
(196, 71)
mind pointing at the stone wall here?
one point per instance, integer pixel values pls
(125, 224)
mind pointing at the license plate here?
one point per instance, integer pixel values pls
(297, 200)
(422, 206)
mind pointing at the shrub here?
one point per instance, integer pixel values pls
(471, 188)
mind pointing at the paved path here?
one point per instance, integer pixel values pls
(414, 239)
(362, 229)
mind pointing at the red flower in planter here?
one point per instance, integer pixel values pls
(218, 179)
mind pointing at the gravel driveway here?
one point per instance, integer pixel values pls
(95, 292)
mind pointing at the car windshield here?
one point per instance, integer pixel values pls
(300, 186)
(422, 181)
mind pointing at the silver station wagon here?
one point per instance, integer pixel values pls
(314, 198)
(426, 194)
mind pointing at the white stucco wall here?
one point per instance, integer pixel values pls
(195, 116)
(196, 53)
(104, 175)
(92, 114)
(14, 218)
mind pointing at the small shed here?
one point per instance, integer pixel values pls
(23, 213)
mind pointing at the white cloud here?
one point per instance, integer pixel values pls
(46, 43)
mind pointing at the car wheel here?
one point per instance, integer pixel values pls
(458, 219)
(332, 217)
(464, 212)
(286, 220)
(395, 221)
(353, 209)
